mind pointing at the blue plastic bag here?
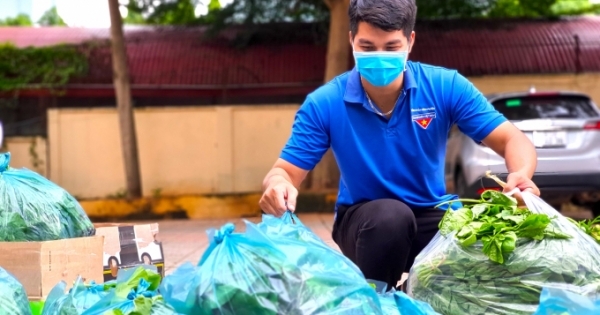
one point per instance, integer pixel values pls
(253, 273)
(337, 283)
(398, 303)
(180, 289)
(289, 227)
(135, 292)
(79, 298)
(554, 301)
(13, 299)
(33, 208)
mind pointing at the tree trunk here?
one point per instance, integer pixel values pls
(326, 174)
(124, 107)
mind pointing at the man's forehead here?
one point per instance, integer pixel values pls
(389, 42)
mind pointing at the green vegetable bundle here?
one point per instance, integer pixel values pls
(492, 257)
(33, 208)
(13, 299)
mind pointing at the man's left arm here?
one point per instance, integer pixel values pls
(478, 119)
(518, 152)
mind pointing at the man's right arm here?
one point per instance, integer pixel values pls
(280, 187)
(305, 148)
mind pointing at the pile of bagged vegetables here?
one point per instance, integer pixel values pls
(490, 257)
(493, 257)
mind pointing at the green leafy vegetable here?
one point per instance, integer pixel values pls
(498, 260)
(498, 223)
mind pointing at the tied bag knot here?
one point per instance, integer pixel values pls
(141, 290)
(220, 234)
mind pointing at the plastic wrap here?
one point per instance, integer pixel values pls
(269, 269)
(13, 299)
(33, 208)
(458, 280)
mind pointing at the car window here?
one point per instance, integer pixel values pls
(536, 107)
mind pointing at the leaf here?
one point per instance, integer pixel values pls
(533, 226)
(510, 242)
(470, 240)
(478, 210)
(498, 198)
(454, 220)
(551, 232)
(492, 247)
(509, 215)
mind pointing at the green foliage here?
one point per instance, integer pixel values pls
(19, 20)
(51, 18)
(39, 67)
(575, 7)
(165, 12)
(256, 18)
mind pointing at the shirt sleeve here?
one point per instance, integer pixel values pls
(310, 136)
(471, 111)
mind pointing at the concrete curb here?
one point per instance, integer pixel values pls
(196, 206)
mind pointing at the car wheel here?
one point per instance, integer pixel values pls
(146, 259)
(461, 185)
(113, 263)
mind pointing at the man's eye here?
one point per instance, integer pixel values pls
(393, 48)
(367, 48)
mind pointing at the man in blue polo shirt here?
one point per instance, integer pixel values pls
(387, 123)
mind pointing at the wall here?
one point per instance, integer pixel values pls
(187, 150)
(27, 152)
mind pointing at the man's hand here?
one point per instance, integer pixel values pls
(279, 196)
(523, 182)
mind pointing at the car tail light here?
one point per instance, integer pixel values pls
(593, 125)
(481, 190)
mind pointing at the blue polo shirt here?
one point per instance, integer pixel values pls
(401, 158)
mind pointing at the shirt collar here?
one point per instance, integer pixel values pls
(355, 92)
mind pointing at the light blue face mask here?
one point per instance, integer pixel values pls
(380, 68)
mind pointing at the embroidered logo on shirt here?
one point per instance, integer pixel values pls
(423, 116)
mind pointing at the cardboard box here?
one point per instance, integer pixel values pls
(39, 266)
(129, 245)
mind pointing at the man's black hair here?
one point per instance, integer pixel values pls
(388, 15)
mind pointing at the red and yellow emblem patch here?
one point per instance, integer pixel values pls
(423, 119)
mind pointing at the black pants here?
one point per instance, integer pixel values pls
(383, 237)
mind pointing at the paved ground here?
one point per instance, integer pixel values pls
(186, 240)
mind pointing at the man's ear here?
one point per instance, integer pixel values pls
(350, 38)
(411, 42)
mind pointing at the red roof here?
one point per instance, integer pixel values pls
(178, 56)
